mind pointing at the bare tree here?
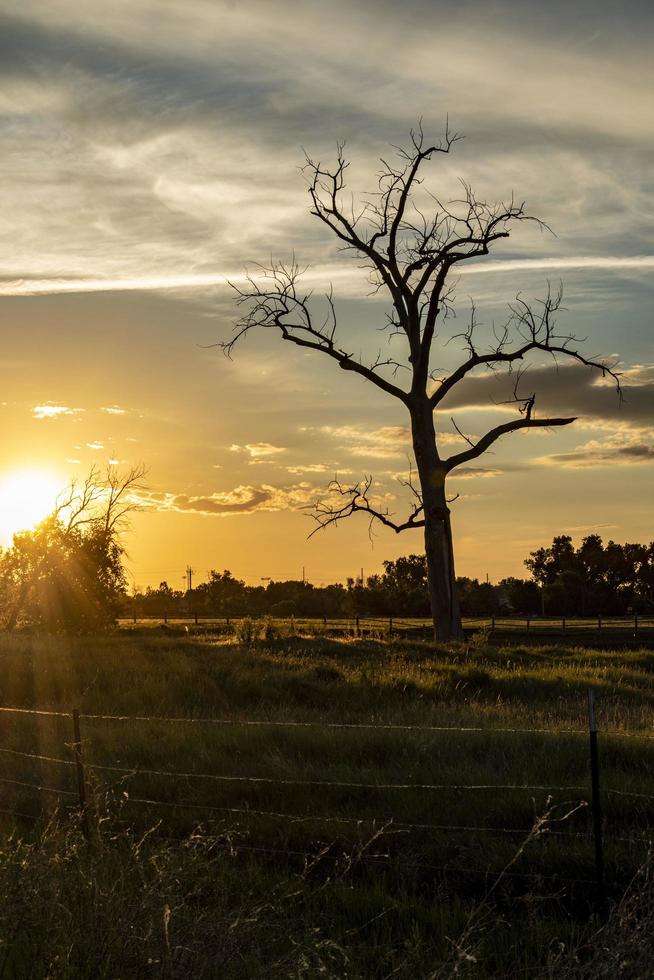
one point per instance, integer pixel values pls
(411, 255)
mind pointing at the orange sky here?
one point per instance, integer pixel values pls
(163, 154)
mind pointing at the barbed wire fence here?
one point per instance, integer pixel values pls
(588, 794)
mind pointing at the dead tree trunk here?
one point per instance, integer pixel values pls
(410, 254)
(439, 551)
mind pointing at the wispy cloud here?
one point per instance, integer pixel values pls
(258, 451)
(53, 411)
(613, 451)
(564, 390)
(310, 468)
(243, 499)
(347, 275)
(382, 443)
(474, 473)
(139, 179)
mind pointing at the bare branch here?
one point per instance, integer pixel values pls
(103, 499)
(486, 441)
(531, 329)
(355, 499)
(274, 301)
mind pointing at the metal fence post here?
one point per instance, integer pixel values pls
(596, 804)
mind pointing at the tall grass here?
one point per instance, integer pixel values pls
(404, 894)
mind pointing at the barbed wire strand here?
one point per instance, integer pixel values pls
(40, 758)
(251, 723)
(353, 821)
(431, 867)
(41, 789)
(327, 725)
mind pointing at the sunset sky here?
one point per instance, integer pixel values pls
(151, 149)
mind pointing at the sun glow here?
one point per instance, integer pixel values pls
(26, 497)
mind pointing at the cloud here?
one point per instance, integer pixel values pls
(350, 278)
(569, 390)
(258, 451)
(593, 455)
(474, 472)
(311, 468)
(157, 160)
(53, 411)
(113, 410)
(385, 442)
(243, 499)
(462, 473)
(95, 445)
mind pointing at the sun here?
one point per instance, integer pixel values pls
(26, 497)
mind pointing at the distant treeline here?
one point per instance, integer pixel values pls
(593, 579)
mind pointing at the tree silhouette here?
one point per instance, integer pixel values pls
(411, 254)
(67, 574)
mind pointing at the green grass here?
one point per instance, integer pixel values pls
(375, 899)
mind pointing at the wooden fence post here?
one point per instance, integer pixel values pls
(635, 624)
(358, 626)
(81, 777)
(596, 803)
(390, 625)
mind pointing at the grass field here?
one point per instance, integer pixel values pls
(346, 863)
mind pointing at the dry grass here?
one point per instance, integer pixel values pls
(387, 911)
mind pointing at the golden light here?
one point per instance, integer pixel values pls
(26, 497)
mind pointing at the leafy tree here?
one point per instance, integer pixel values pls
(160, 602)
(478, 598)
(67, 574)
(412, 245)
(225, 595)
(520, 595)
(594, 578)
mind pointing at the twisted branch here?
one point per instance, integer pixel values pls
(355, 499)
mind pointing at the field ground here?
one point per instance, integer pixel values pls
(597, 631)
(261, 848)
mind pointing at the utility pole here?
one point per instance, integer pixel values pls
(189, 577)
(362, 577)
(304, 580)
